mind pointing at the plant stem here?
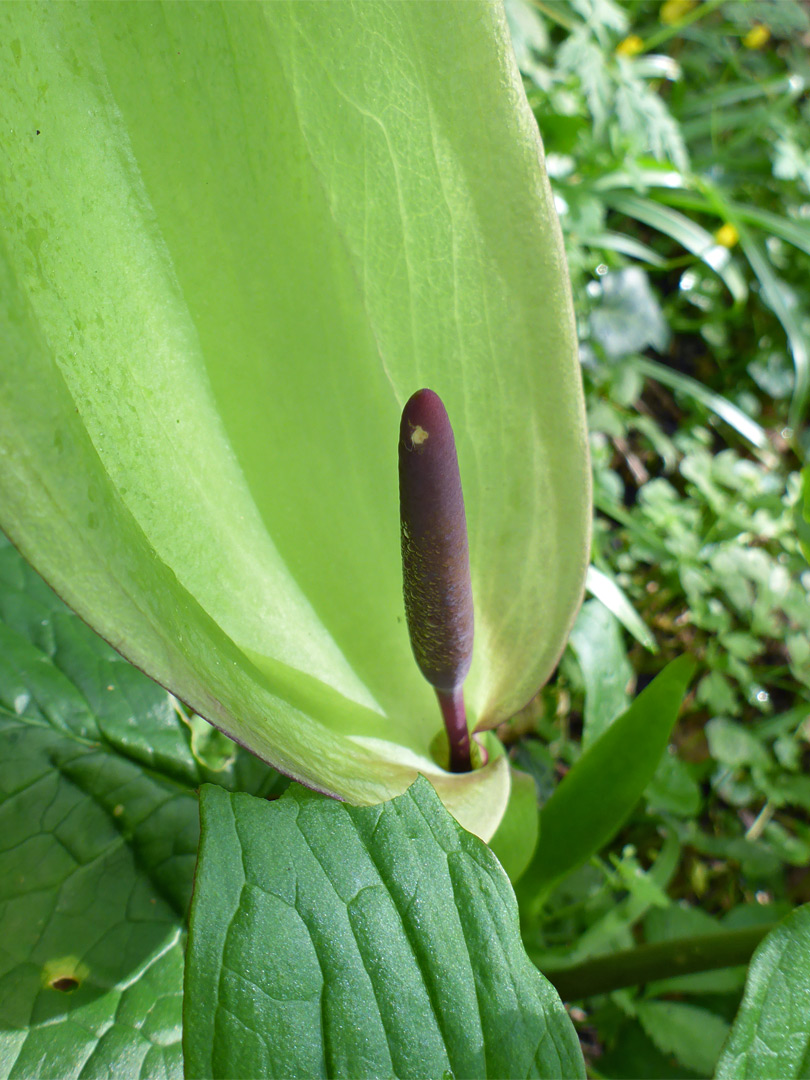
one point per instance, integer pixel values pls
(661, 960)
(455, 721)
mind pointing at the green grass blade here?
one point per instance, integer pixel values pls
(788, 229)
(685, 232)
(625, 245)
(596, 796)
(719, 405)
(773, 293)
(725, 96)
(616, 600)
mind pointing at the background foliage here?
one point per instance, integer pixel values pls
(678, 144)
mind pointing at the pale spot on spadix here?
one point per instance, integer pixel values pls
(419, 435)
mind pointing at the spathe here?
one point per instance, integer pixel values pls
(242, 237)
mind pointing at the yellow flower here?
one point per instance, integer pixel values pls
(674, 10)
(630, 46)
(757, 36)
(727, 236)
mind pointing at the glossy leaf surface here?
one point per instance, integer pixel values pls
(339, 941)
(96, 855)
(596, 795)
(235, 239)
(771, 1033)
(99, 827)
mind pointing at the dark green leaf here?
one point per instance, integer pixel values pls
(330, 940)
(597, 794)
(96, 854)
(98, 838)
(770, 1039)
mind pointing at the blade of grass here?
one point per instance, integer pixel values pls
(744, 119)
(730, 413)
(615, 599)
(773, 291)
(745, 91)
(625, 245)
(773, 295)
(555, 10)
(685, 232)
(791, 231)
(698, 12)
(663, 176)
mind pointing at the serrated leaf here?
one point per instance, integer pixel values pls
(770, 1039)
(238, 237)
(694, 1035)
(331, 940)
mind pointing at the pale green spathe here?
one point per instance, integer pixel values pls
(235, 239)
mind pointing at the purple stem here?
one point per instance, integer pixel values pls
(455, 721)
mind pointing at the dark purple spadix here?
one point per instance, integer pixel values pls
(436, 562)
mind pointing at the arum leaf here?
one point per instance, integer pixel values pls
(236, 238)
(771, 1033)
(99, 828)
(96, 852)
(331, 940)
